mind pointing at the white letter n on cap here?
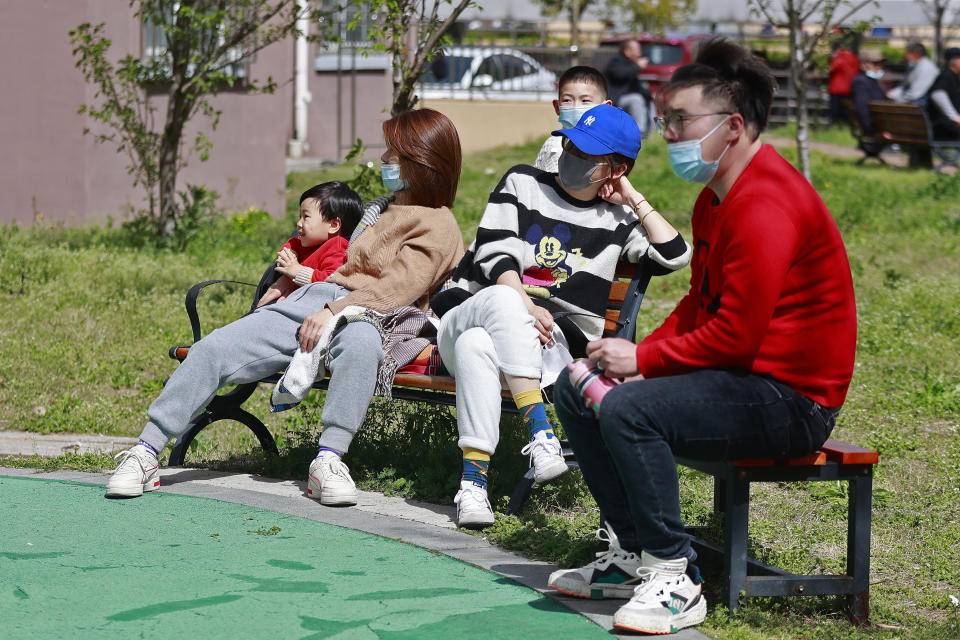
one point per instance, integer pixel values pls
(589, 121)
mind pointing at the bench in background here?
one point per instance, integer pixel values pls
(908, 125)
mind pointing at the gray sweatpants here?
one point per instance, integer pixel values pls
(261, 344)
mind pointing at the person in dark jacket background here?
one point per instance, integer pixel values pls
(625, 88)
(944, 103)
(865, 87)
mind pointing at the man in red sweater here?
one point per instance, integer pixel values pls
(754, 362)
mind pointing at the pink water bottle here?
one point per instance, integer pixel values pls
(590, 382)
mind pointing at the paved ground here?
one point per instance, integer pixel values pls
(25, 443)
(894, 159)
(216, 564)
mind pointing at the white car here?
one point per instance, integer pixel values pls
(486, 73)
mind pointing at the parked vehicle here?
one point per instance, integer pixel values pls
(666, 54)
(488, 73)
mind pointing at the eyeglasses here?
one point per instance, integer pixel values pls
(674, 121)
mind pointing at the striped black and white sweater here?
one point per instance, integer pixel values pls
(565, 250)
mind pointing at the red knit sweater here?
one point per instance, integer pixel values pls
(324, 259)
(770, 288)
(843, 68)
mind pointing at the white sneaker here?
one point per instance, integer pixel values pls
(330, 482)
(612, 575)
(473, 506)
(666, 601)
(138, 470)
(546, 457)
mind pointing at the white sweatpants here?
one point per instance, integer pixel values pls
(489, 334)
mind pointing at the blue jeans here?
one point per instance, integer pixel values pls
(627, 455)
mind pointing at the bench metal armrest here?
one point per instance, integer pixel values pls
(626, 323)
(191, 303)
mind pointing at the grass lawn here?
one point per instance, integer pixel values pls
(90, 313)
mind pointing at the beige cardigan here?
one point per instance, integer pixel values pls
(401, 260)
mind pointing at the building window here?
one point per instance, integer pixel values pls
(349, 25)
(155, 52)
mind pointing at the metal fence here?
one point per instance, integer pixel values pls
(531, 73)
(519, 73)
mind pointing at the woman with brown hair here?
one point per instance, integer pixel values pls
(399, 261)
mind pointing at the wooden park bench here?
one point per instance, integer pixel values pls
(623, 305)
(742, 575)
(908, 125)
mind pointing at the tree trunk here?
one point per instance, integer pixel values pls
(575, 33)
(798, 75)
(404, 46)
(938, 32)
(178, 109)
(403, 98)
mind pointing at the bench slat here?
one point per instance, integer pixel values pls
(434, 383)
(832, 450)
(624, 270)
(618, 291)
(817, 459)
(900, 123)
(899, 139)
(845, 453)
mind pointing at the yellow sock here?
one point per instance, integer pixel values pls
(527, 398)
(469, 453)
(475, 466)
(534, 414)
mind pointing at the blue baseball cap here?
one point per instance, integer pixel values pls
(605, 129)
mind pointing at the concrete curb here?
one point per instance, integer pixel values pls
(25, 443)
(417, 523)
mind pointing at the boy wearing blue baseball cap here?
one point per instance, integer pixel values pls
(547, 245)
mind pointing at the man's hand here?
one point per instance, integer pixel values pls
(312, 327)
(616, 357)
(287, 263)
(277, 291)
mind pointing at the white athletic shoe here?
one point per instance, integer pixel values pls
(666, 601)
(138, 470)
(473, 506)
(612, 575)
(330, 481)
(546, 457)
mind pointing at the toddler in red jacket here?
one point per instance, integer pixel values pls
(329, 212)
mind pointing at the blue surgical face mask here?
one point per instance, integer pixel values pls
(911, 65)
(876, 75)
(574, 172)
(390, 174)
(686, 158)
(570, 116)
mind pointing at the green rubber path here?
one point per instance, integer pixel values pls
(76, 565)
